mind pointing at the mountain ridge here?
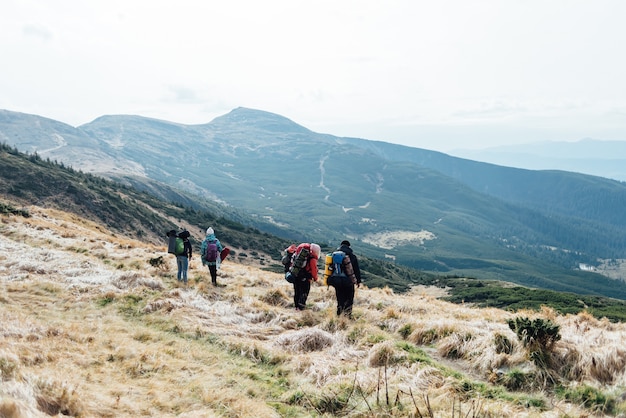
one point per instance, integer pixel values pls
(328, 188)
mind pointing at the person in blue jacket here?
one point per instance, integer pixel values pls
(213, 264)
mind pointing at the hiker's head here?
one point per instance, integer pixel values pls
(210, 231)
(316, 250)
(346, 243)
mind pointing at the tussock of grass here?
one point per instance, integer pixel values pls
(427, 333)
(55, 398)
(134, 279)
(306, 340)
(385, 354)
(166, 305)
(275, 297)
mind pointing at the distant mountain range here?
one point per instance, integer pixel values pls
(587, 156)
(421, 208)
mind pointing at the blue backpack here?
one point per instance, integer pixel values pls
(338, 276)
(337, 267)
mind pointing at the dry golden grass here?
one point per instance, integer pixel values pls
(90, 327)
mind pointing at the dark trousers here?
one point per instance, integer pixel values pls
(345, 298)
(301, 291)
(213, 271)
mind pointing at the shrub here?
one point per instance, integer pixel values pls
(538, 336)
(8, 209)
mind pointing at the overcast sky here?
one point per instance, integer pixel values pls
(432, 74)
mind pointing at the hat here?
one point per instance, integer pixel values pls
(210, 231)
(346, 243)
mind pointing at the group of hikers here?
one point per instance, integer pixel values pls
(300, 263)
(212, 253)
(341, 271)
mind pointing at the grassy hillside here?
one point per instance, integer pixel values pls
(29, 180)
(91, 326)
(129, 213)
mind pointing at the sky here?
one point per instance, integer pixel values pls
(440, 75)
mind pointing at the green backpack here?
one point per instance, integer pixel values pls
(180, 246)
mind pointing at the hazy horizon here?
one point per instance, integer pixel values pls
(436, 75)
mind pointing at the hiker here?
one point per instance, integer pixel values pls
(345, 289)
(210, 250)
(302, 276)
(182, 259)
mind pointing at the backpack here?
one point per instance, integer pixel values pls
(337, 264)
(171, 241)
(339, 269)
(179, 248)
(298, 264)
(286, 260)
(211, 251)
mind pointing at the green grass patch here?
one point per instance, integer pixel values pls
(591, 398)
(501, 295)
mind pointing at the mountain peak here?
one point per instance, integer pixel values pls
(257, 119)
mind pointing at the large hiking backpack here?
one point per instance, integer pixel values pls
(337, 266)
(298, 264)
(338, 269)
(288, 257)
(171, 241)
(179, 247)
(211, 251)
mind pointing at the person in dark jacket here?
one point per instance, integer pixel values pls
(182, 260)
(345, 291)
